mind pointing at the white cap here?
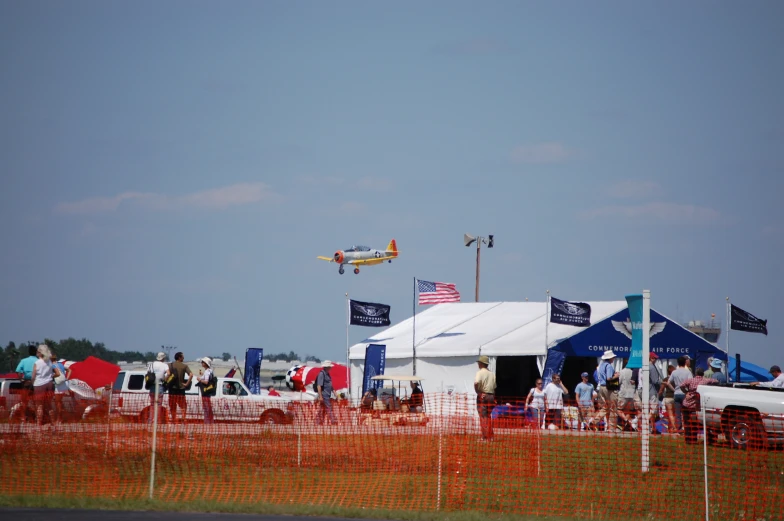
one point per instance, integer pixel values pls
(326, 363)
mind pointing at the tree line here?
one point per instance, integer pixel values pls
(290, 357)
(70, 349)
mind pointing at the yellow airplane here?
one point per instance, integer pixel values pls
(362, 255)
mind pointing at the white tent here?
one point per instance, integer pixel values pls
(449, 337)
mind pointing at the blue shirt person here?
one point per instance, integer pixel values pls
(324, 386)
(25, 365)
(584, 392)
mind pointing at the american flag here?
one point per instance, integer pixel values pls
(231, 373)
(436, 292)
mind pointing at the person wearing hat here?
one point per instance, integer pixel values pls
(714, 371)
(778, 379)
(607, 379)
(585, 394)
(324, 392)
(484, 386)
(208, 386)
(159, 367)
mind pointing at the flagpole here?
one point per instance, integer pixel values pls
(413, 337)
(546, 322)
(727, 338)
(348, 359)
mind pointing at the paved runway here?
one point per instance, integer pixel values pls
(35, 514)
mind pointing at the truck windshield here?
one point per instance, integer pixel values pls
(119, 381)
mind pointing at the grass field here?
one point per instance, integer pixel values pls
(389, 474)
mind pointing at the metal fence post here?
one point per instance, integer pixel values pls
(154, 437)
(705, 455)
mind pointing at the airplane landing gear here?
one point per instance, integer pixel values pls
(356, 271)
(390, 261)
(341, 270)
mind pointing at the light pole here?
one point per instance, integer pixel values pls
(468, 240)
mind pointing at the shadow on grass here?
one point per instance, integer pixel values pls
(259, 509)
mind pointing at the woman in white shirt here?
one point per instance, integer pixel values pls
(536, 401)
(43, 382)
(207, 390)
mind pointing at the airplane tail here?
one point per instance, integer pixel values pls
(392, 248)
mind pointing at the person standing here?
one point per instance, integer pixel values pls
(484, 386)
(60, 389)
(535, 400)
(43, 382)
(691, 403)
(607, 378)
(667, 393)
(585, 394)
(324, 392)
(554, 393)
(159, 368)
(208, 387)
(417, 397)
(680, 375)
(627, 380)
(177, 371)
(654, 384)
(25, 370)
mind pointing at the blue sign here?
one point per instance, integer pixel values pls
(668, 339)
(375, 359)
(553, 365)
(253, 369)
(634, 302)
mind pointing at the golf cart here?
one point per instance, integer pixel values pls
(394, 404)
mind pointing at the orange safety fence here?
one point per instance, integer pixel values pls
(398, 457)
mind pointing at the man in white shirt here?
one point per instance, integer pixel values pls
(159, 367)
(778, 379)
(553, 399)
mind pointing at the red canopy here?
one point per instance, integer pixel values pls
(95, 372)
(9, 376)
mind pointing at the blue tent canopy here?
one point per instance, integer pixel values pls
(749, 372)
(668, 339)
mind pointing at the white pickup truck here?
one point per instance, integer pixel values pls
(233, 402)
(749, 417)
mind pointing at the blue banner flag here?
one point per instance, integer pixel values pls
(553, 365)
(375, 359)
(634, 303)
(253, 369)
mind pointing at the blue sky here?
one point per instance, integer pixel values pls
(170, 170)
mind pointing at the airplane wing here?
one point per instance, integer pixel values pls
(366, 262)
(330, 259)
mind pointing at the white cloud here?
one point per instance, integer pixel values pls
(672, 213)
(375, 184)
(632, 188)
(541, 153)
(214, 199)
